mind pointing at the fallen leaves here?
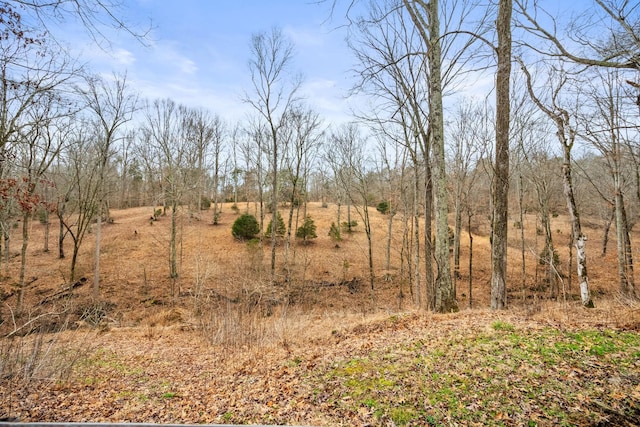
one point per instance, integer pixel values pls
(411, 370)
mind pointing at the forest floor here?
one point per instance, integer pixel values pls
(223, 345)
(560, 366)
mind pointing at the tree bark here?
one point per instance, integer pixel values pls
(579, 239)
(445, 294)
(501, 176)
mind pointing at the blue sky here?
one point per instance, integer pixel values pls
(199, 50)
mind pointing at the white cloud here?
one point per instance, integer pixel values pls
(169, 57)
(124, 56)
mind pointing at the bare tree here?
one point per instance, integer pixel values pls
(166, 128)
(351, 165)
(111, 105)
(470, 132)
(425, 17)
(219, 133)
(566, 133)
(273, 97)
(31, 74)
(304, 133)
(77, 183)
(41, 140)
(605, 129)
(538, 167)
(500, 191)
(394, 71)
(606, 34)
(95, 15)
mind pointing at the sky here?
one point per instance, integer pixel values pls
(198, 51)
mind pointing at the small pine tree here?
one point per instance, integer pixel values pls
(280, 229)
(383, 207)
(246, 227)
(349, 226)
(334, 232)
(308, 230)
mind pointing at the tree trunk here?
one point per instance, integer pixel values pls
(420, 296)
(74, 260)
(23, 259)
(173, 256)
(96, 269)
(47, 230)
(61, 234)
(625, 257)
(445, 295)
(367, 227)
(430, 288)
(579, 239)
(7, 250)
(457, 230)
(549, 248)
(501, 176)
(387, 263)
(522, 240)
(470, 261)
(287, 248)
(607, 228)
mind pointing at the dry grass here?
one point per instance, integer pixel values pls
(220, 275)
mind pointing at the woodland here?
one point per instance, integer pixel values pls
(439, 259)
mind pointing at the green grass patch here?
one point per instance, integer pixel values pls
(505, 377)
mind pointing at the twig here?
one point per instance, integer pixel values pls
(16, 329)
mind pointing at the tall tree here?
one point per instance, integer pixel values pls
(394, 71)
(41, 141)
(274, 95)
(78, 189)
(471, 128)
(351, 165)
(566, 133)
(303, 132)
(500, 216)
(426, 17)
(166, 131)
(605, 128)
(111, 105)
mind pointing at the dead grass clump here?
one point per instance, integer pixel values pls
(168, 317)
(616, 313)
(95, 313)
(242, 316)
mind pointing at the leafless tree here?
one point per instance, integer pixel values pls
(95, 15)
(470, 133)
(167, 130)
(303, 130)
(111, 105)
(41, 139)
(500, 191)
(426, 18)
(604, 127)
(605, 34)
(351, 165)
(565, 124)
(273, 97)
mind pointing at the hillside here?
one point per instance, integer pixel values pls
(212, 264)
(322, 349)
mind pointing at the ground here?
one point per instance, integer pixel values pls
(230, 347)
